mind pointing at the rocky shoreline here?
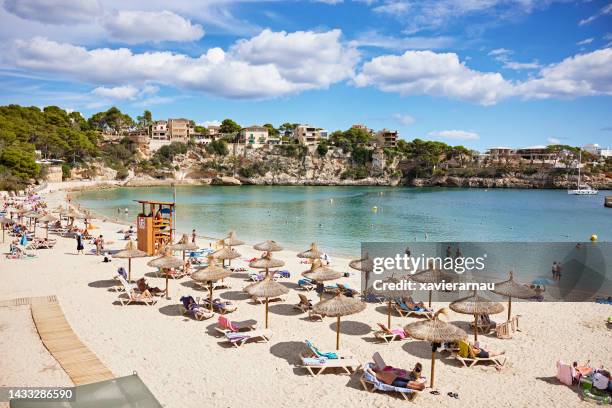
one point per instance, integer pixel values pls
(511, 182)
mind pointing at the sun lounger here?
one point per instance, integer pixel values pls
(484, 323)
(197, 312)
(225, 325)
(305, 305)
(315, 352)
(316, 366)
(306, 284)
(403, 310)
(133, 296)
(19, 252)
(388, 335)
(468, 360)
(370, 383)
(372, 298)
(238, 339)
(172, 273)
(220, 306)
(346, 290)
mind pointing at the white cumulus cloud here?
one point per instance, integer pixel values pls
(444, 75)
(553, 141)
(268, 65)
(579, 75)
(430, 73)
(455, 135)
(133, 27)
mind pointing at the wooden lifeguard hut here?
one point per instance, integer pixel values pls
(154, 225)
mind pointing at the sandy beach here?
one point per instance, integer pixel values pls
(186, 364)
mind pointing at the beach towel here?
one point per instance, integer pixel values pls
(224, 323)
(401, 333)
(318, 353)
(379, 385)
(314, 361)
(121, 271)
(234, 337)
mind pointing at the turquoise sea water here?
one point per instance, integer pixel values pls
(340, 218)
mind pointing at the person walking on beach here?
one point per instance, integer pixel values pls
(554, 270)
(458, 253)
(449, 252)
(193, 236)
(79, 240)
(558, 271)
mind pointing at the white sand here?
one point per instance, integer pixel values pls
(185, 364)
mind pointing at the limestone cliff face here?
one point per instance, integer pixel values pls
(276, 166)
(514, 180)
(271, 167)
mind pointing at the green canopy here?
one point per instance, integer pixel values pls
(123, 392)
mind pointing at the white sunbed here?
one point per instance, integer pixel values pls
(133, 296)
(238, 339)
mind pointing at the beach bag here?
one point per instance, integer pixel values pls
(564, 373)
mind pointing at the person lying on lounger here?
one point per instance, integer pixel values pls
(412, 305)
(142, 286)
(477, 350)
(391, 377)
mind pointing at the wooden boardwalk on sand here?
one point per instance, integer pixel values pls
(81, 365)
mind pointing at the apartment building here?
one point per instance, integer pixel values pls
(255, 136)
(387, 138)
(179, 129)
(159, 130)
(307, 135)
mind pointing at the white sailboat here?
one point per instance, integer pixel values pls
(582, 188)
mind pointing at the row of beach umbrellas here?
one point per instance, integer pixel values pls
(432, 330)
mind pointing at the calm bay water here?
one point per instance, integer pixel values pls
(340, 218)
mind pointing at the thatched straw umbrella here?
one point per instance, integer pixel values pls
(32, 215)
(267, 288)
(432, 275)
(512, 289)
(389, 296)
(4, 222)
(320, 273)
(226, 253)
(231, 240)
(130, 251)
(72, 215)
(210, 273)
(476, 305)
(339, 306)
(266, 262)
(312, 252)
(435, 331)
(47, 219)
(166, 261)
(363, 265)
(268, 246)
(183, 245)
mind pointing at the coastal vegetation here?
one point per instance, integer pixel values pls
(31, 138)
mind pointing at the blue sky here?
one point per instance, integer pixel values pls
(481, 73)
